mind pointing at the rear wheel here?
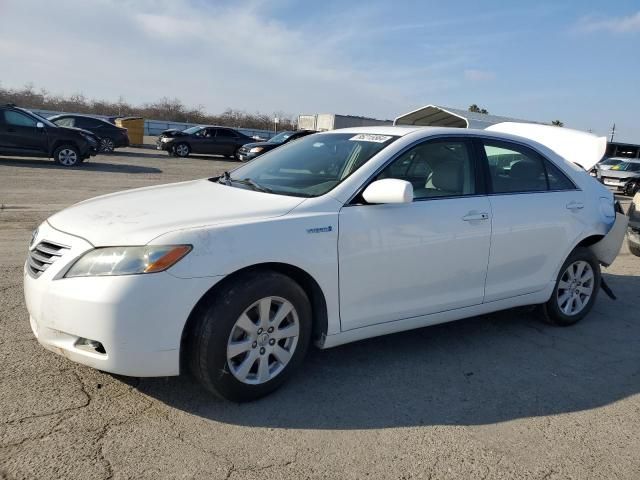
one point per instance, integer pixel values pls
(576, 289)
(251, 337)
(67, 156)
(182, 150)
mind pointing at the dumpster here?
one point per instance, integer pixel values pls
(135, 128)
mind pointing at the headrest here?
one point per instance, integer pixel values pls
(447, 176)
(525, 170)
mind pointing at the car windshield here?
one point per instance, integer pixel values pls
(281, 137)
(627, 166)
(611, 161)
(311, 166)
(192, 130)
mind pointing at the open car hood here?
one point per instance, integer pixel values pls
(576, 146)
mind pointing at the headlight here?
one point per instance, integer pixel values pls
(166, 139)
(127, 260)
(256, 149)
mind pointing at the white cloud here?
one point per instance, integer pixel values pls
(627, 24)
(478, 75)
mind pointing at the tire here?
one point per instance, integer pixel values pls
(107, 145)
(631, 189)
(182, 150)
(576, 289)
(234, 354)
(67, 156)
(634, 248)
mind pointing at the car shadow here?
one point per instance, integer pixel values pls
(483, 370)
(89, 165)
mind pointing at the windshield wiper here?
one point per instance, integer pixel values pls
(252, 184)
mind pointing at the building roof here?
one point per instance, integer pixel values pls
(439, 116)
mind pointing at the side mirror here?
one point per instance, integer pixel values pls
(40, 125)
(389, 190)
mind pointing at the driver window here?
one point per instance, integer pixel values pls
(440, 168)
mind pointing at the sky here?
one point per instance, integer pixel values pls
(573, 60)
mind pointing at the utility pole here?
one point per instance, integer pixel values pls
(276, 121)
(613, 132)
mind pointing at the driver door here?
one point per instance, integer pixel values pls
(404, 260)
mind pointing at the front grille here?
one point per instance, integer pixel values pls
(45, 253)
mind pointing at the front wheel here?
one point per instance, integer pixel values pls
(182, 150)
(251, 337)
(107, 145)
(67, 156)
(631, 189)
(576, 289)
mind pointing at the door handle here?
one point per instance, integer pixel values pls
(575, 205)
(471, 216)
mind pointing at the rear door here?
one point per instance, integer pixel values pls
(537, 214)
(228, 141)
(20, 135)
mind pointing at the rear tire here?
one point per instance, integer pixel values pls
(634, 249)
(243, 346)
(67, 156)
(182, 150)
(576, 289)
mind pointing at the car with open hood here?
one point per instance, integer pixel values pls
(206, 139)
(250, 151)
(623, 177)
(336, 237)
(26, 134)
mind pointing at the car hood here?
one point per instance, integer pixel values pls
(78, 130)
(265, 145)
(135, 217)
(611, 173)
(173, 133)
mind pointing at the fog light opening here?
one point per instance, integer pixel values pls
(92, 346)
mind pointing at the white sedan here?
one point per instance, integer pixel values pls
(334, 238)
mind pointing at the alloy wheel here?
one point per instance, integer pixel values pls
(575, 288)
(107, 145)
(182, 150)
(67, 157)
(263, 340)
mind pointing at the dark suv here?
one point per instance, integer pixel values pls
(25, 134)
(111, 136)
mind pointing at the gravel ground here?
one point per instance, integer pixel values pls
(497, 396)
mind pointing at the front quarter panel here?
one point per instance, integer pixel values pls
(307, 240)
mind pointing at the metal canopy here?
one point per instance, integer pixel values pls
(437, 116)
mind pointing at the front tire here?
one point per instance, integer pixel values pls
(107, 145)
(182, 150)
(576, 289)
(251, 336)
(67, 156)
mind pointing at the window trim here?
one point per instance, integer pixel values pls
(479, 177)
(487, 173)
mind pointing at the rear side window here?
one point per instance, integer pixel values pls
(17, 119)
(517, 169)
(223, 132)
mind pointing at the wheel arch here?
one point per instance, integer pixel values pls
(319, 321)
(61, 143)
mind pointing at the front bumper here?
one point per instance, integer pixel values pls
(138, 319)
(166, 146)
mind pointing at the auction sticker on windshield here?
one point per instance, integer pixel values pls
(369, 137)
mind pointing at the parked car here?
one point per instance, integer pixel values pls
(253, 150)
(202, 139)
(26, 134)
(623, 177)
(333, 238)
(605, 164)
(633, 234)
(111, 136)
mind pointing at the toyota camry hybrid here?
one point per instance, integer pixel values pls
(333, 238)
